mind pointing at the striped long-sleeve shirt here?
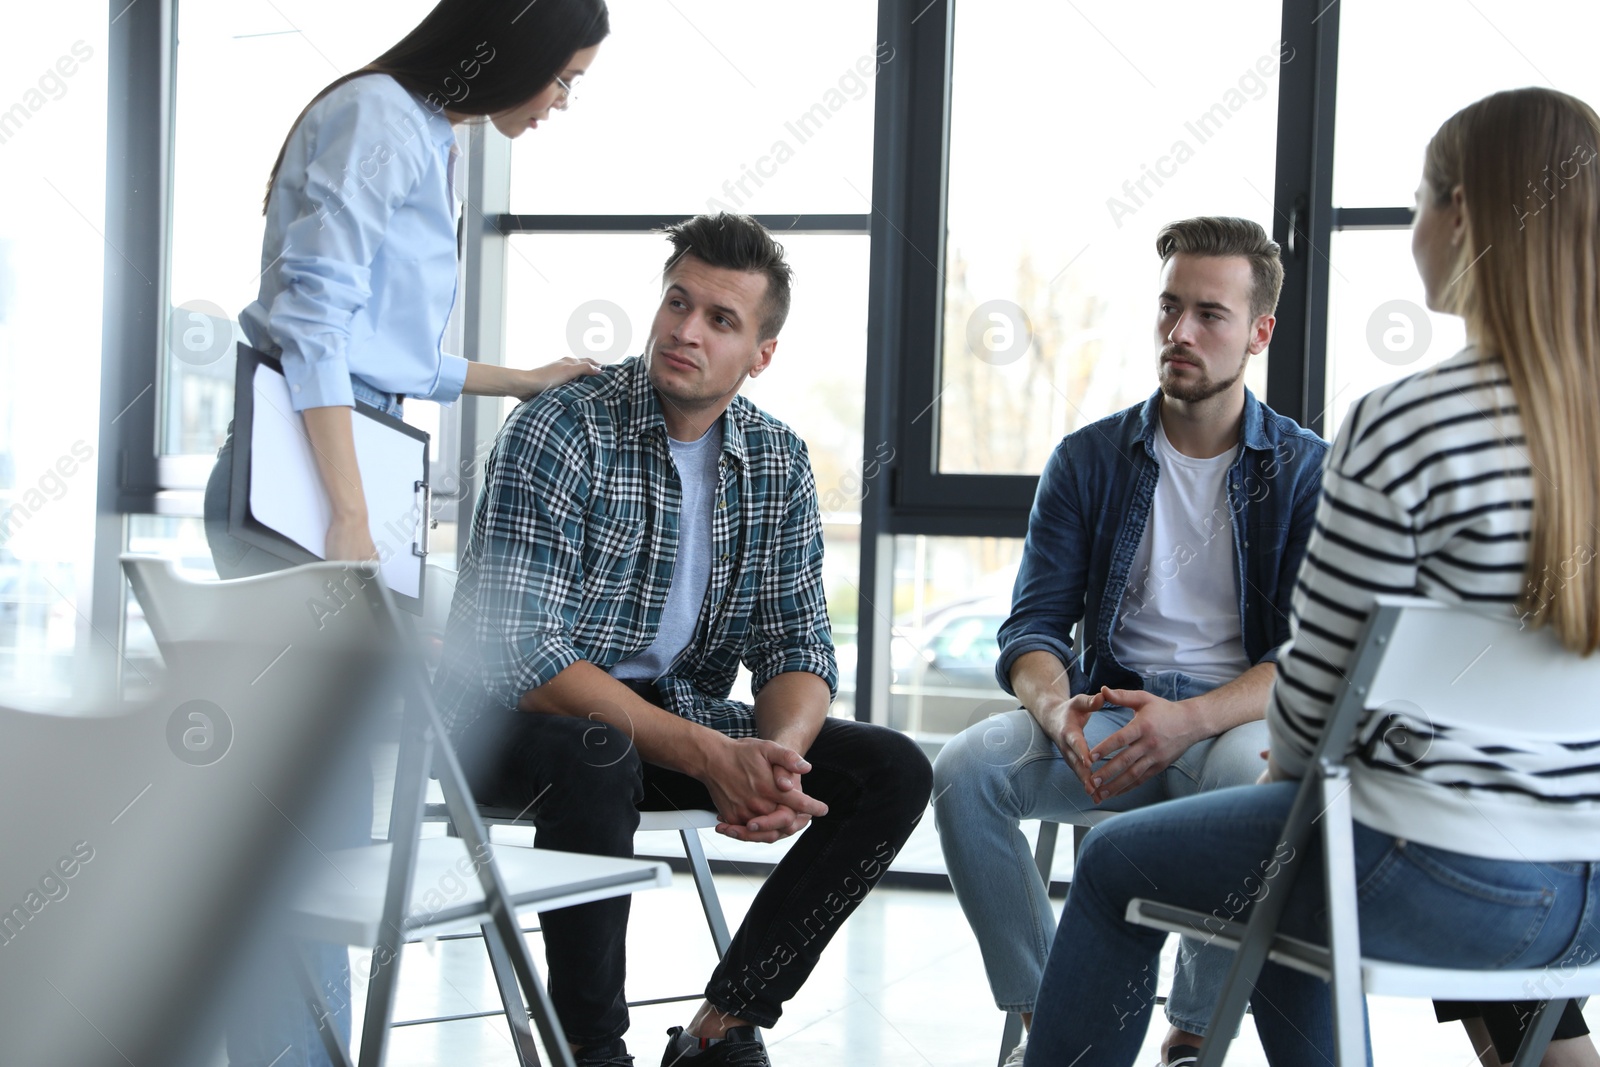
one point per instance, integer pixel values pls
(1428, 491)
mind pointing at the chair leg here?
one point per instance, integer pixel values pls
(505, 979)
(541, 1009)
(320, 1008)
(1537, 1037)
(1044, 858)
(405, 824)
(1344, 931)
(701, 871)
(503, 928)
(1009, 1036)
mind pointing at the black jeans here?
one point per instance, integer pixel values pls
(590, 786)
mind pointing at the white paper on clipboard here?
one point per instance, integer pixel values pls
(286, 492)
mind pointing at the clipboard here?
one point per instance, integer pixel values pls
(278, 504)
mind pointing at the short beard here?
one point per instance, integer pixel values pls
(689, 405)
(1204, 389)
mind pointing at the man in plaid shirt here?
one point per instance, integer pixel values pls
(641, 533)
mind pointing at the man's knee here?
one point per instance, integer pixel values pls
(1235, 757)
(904, 775)
(973, 768)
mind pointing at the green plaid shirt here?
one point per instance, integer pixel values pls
(574, 540)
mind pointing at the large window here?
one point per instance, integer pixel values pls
(244, 72)
(969, 190)
(759, 108)
(689, 108)
(52, 254)
(1076, 132)
(950, 596)
(1378, 327)
(1382, 127)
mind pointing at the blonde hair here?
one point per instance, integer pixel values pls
(1528, 285)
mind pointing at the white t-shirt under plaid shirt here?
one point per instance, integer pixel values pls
(574, 540)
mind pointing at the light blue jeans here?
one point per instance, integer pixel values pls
(1417, 904)
(1003, 770)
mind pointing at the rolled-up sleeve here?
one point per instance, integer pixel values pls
(355, 181)
(531, 578)
(790, 621)
(1048, 598)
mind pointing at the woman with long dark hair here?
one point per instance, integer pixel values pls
(359, 256)
(1471, 482)
(359, 268)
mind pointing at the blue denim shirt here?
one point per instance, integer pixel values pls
(1089, 515)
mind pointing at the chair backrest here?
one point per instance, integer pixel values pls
(1433, 667)
(321, 602)
(144, 843)
(438, 591)
(1468, 668)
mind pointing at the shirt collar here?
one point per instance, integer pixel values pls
(1252, 431)
(643, 416)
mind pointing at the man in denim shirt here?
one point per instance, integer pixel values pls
(1154, 591)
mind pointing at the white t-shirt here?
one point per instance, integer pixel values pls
(697, 463)
(1181, 608)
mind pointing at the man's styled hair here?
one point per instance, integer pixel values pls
(737, 242)
(1222, 236)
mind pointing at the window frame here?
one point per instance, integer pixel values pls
(910, 191)
(905, 300)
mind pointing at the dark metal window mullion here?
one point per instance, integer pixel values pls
(903, 301)
(1303, 210)
(1371, 218)
(142, 56)
(579, 224)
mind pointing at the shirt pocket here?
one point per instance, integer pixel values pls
(614, 539)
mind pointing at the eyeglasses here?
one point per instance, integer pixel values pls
(569, 89)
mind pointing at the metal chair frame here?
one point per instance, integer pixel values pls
(1400, 631)
(423, 741)
(687, 824)
(1044, 856)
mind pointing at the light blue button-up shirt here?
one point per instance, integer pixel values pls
(359, 258)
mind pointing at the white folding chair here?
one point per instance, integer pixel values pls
(439, 584)
(370, 896)
(151, 838)
(687, 824)
(1406, 649)
(1044, 857)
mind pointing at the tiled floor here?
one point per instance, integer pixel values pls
(902, 985)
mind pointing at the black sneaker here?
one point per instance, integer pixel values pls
(738, 1048)
(1181, 1056)
(611, 1054)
